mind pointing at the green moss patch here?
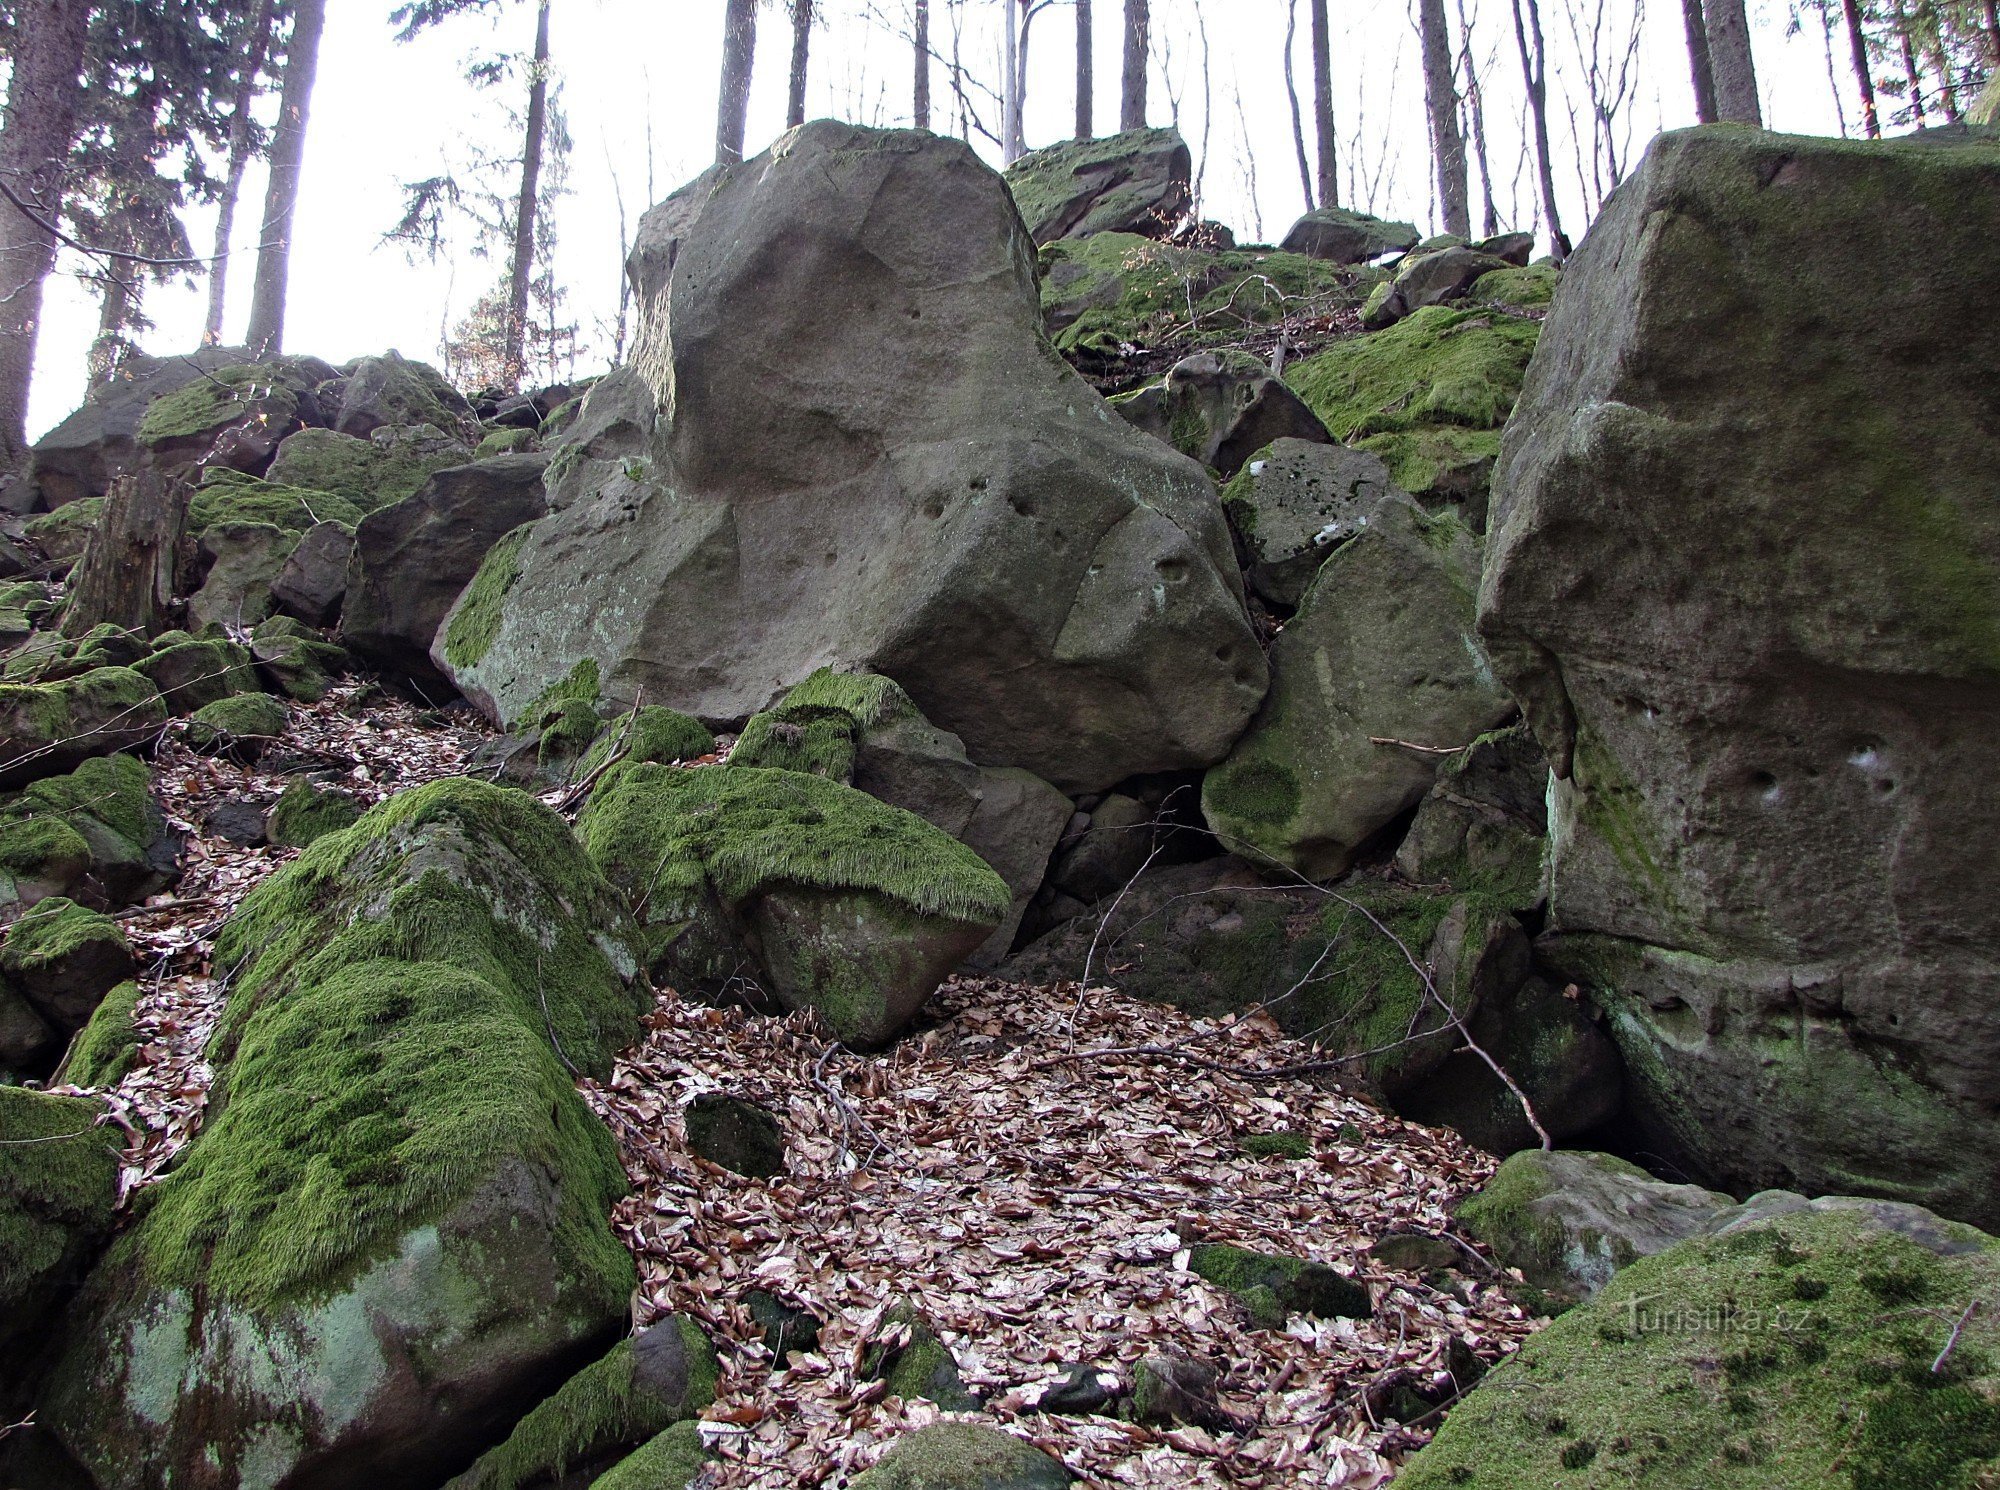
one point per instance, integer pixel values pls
(1529, 288)
(56, 1194)
(219, 399)
(483, 878)
(371, 474)
(668, 1461)
(62, 534)
(54, 932)
(290, 509)
(1274, 1288)
(666, 834)
(1803, 1352)
(247, 720)
(100, 708)
(108, 1046)
(663, 736)
(44, 849)
(475, 620)
(367, 1102)
(305, 813)
(963, 1456)
(634, 1393)
(192, 672)
(113, 790)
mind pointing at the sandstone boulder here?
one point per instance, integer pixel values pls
(920, 489)
(1220, 408)
(1295, 502)
(1135, 182)
(1348, 237)
(1745, 580)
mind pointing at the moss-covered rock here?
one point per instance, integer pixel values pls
(1428, 395)
(108, 803)
(402, 1180)
(662, 1376)
(1220, 408)
(1484, 825)
(384, 468)
(305, 813)
(475, 619)
(1134, 182)
(23, 605)
(62, 535)
(50, 727)
(963, 1456)
(512, 441)
(1293, 503)
(1530, 287)
(58, 1184)
(192, 672)
(244, 561)
(916, 1363)
(662, 736)
(855, 908)
(1803, 1351)
(391, 390)
(292, 509)
(50, 656)
(1343, 237)
(669, 1461)
(189, 419)
(107, 1047)
(240, 727)
(1274, 1288)
(39, 857)
(65, 958)
(301, 662)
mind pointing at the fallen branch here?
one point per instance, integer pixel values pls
(1952, 1344)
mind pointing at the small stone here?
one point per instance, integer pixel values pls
(739, 1136)
(237, 821)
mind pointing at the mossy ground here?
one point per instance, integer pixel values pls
(475, 621)
(107, 1047)
(1797, 1355)
(605, 1407)
(665, 834)
(305, 813)
(366, 1102)
(483, 878)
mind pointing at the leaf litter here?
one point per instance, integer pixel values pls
(1030, 1189)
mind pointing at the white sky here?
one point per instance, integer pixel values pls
(383, 113)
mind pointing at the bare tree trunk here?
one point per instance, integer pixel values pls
(1441, 98)
(281, 195)
(1699, 63)
(516, 357)
(1910, 69)
(1292, 97)
(795, 99)
(1132, 92)
(117, 313)
(1941, 59)
(127, 574)
(920, 105)
(1475, 107)
(1534, 71)
(239, 162)
(739, 51)
(1012, 146)
(1730, 60)
(1329, 160)
(1857, 41)
(1085, 79)
(34, 150)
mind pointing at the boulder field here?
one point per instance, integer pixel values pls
(1560, 706)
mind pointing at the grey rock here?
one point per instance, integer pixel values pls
(1220, 408)
(312, 582)
(1135, 182)
(1108, 852)
(1484, 825)
(1293, 504)
(1347, 237)
(1014, 829)
(392, 390)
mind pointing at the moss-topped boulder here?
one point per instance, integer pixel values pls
(853, 908)
(1744, 578)
(107, 1047)
(670, 1459)
(390, 390)
(1526, 287)
(1220, 408)
(292, 509)
(1571, 1219)
(192, 672)
(1135, 182)
(107, 803)
(58, 1185)
(50, 656)
(402, 1184)
(662, 1376)
(23, 604)
(62, 535)
(1484, 825)
(1273, 1288)
(39, 857)
(305, 813)
(184, 425)
(1376, 678)
(1831, 1346)
(963, 1456)
(1428, 395)
(1345, 237)
(911, 1358)
(300, 661)
(388, 465)
(51, 727)
(483, 878)
(64, 959)
(662, 736)
(240, 727)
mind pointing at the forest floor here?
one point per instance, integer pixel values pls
(1029, 1169)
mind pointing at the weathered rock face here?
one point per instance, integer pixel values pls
(918, 487)
(1377, 675)
(1135, 182)
(1295, 502)
(411, 560)
(1220, 408)
(1348, 237)
(1745, 580)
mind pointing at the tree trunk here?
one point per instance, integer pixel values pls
(117, 313)
(34, 149)
(1441, 98)
(1010, 85)
(1534, 72)
(920, 107)
(127, 574)
(1132, 90)
(1699, 63)
(1085, 76)
(1993, 29)
(1292, 97)
(739, 50)
(239, 162)
(1857, 41)
(1910, 68)
(1941, 59)
(1475, 108)
(1329, 175)
(795, 96)
(516, 357)
(281, 195)
(1730, 60)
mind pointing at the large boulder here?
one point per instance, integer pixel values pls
(397, 1182)
(392, 463)
(1376, 678)
(1346, 237)
(1484, 825)
(963, 1456)
(1745, 580)
(58, 1185)
(1430, 278)
(104, 807)
(51, 727)
(919, 488)
(1135, 182)
(390, 391)
(813, 891)
(1830, 1343)
(410, 560)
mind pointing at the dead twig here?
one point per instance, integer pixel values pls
(1952, 1344)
